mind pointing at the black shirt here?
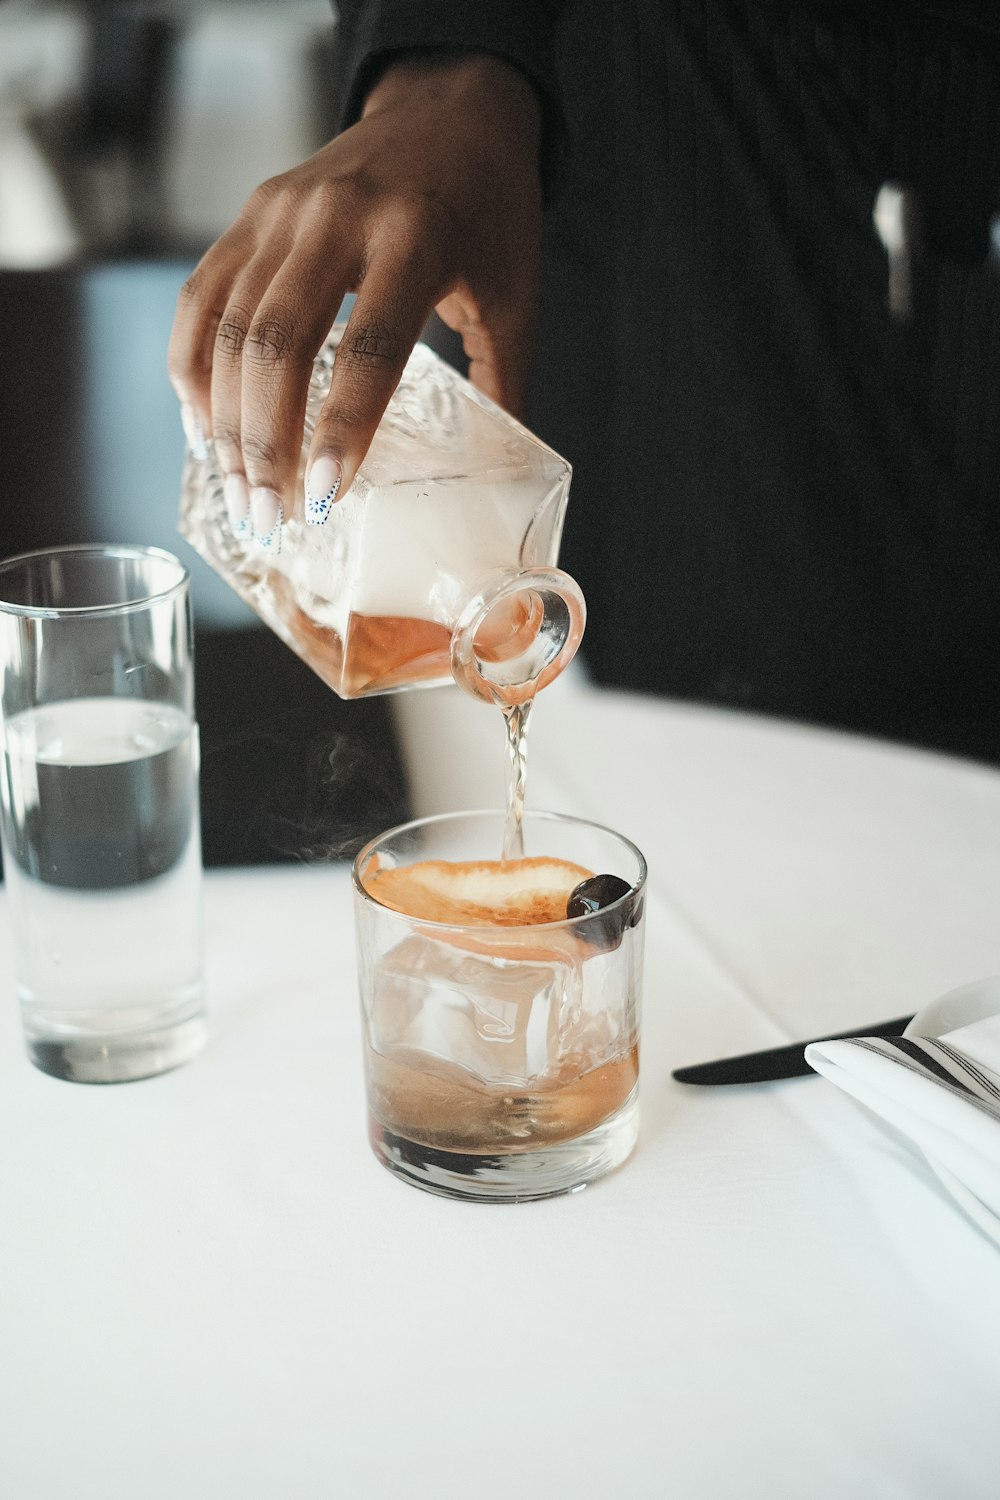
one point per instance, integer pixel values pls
(784, 496)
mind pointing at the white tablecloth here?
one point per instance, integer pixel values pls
(210, 1289)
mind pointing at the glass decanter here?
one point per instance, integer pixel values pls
(439, 562)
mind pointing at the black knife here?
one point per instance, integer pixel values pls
(778, 1062)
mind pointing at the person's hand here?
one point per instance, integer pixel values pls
(431, 200)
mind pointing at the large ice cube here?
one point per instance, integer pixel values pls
(452, 490)
(506, 1021)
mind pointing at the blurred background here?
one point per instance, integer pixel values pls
(130, 136)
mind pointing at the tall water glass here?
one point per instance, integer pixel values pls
(99, 809)
(501, 1061)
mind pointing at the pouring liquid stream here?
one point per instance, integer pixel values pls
(516, 717)
(515, 637)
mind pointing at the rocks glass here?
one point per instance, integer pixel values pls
(501, 1061)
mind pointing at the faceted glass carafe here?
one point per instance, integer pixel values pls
(438, 563)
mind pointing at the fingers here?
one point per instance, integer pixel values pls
(247, 462)
(265, 344)
(189, 353)
(200, 305)
(393, 304)
(243, 346)
(249, 323)
(241, 355)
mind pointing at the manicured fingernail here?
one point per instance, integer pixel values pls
(322, 484)
(237, 497)
(267, 515)
(193, 430)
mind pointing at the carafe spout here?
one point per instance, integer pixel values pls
(517, 634)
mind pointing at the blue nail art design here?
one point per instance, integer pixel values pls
(237, 499)
(318, 508)
(271, 540)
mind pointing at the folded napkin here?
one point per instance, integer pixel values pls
(943, 1093)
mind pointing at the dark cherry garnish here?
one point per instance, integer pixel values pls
(594, 895)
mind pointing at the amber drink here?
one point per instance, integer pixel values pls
(501, 1034)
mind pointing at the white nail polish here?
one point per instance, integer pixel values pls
(322, 484)
(267, 513)
(193, 431)
(237, 497)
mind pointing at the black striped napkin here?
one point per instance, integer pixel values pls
(942, 1094)
(943, 1062)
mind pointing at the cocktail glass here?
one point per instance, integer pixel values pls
(501, 1061)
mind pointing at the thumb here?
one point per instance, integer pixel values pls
(499, 344)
